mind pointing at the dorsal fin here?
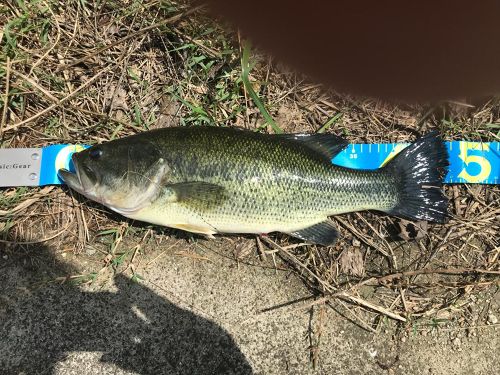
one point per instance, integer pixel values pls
(328, 145)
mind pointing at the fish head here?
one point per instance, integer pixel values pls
(121, 175)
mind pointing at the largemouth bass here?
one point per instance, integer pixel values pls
(223, 180)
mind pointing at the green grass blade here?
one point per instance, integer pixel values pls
(330, 122)
(245, 71)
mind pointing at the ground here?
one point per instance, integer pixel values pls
(196, 311)
(87, 291)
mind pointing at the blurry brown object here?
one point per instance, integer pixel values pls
(405, 50)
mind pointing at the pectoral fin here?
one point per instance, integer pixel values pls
(323, 233)
(199, 194)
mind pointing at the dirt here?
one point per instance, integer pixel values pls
(197, 310)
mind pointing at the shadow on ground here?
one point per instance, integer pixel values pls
(132, 328)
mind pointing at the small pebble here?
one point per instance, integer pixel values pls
(90, 251)
(492, 319)
(356, 242)
(403, 339)
(456, 342)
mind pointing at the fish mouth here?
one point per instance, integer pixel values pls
(71, 179)
(85, 181)
(117, 194)
(79, 181)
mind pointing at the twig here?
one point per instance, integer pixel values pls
(170, 20)
(55, 105)
(315, 344)
(6, 96)
(330, 288)
(21, 206)
(445, 271)
(262, 254)
(161, 254)
(393, 257)
(207, 49)
(37, 241)
(58, 37)
(44, 91)
(355, 318)
(388, 278)
(362, 238)
(371, 306)
(438, 248)
(294, 259)
(27, 203)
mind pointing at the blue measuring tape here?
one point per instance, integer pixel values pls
(470, 162)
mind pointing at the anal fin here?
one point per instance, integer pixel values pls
(323, 233)
(207, 231)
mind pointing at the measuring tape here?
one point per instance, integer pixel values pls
(470, 162)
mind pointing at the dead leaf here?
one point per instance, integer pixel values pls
(351, 262)
(410, 230)
(116, 98)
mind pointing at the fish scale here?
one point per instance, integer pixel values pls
(214, 179)
(270, 181)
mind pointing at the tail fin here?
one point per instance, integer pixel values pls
(419, 170)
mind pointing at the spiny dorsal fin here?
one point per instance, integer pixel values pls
(323, 233)
(202, 194)
(326, 144)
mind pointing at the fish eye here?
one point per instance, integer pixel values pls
(95, 153)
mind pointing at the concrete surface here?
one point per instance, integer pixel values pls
(193, 316)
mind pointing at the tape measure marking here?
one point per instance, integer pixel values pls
(470, 162)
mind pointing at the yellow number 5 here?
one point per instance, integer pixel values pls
(484, 164)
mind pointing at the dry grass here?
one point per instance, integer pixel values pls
(78, 72)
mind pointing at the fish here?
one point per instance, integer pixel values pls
(210, 180)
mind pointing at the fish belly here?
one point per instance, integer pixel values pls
(227, 219)
(175, 216)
